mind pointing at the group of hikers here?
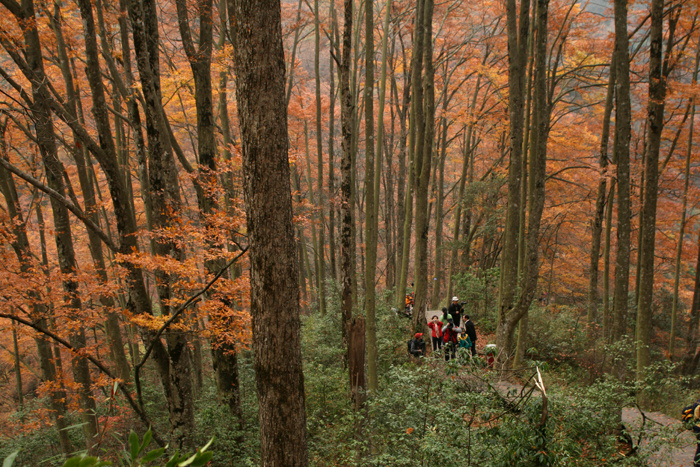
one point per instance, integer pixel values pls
(453, 330)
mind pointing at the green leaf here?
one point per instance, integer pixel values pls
(72, 462)
(201, 458)
(134, 445)
(146, 440)
(10, 460)
(152, 455)
(175, 460)
(206, 446)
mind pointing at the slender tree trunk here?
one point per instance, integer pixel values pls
(331, 149)
(621, 150)
(681, 233)
(262, 111)
(320, 199)
(371, 200)
(607, 315)
(597, 222)
(21, 246)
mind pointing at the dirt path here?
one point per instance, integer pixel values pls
(631, 417)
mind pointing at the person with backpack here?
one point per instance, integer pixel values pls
(691, 416)
(436, 330)
(449, 337)
(456, 310)
(446, 316)
(416, 346)
(471, 332)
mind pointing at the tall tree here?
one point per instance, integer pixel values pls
(262, 112)
(622, 158)
(597, 222)
(682, 224)
(423, 106)
(536, 190)
(658, 73)
(371, 200)
(320, 199)
(346, 209)
(517, 29)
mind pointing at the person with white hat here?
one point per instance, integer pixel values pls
(456, 310)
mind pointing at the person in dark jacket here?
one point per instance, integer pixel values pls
(456, 310)
(471, 332)
(416, 346)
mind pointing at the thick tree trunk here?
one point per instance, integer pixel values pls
(262, 111)
(165, 199)
(517, 30)
(423, 110)
(41, 112)
(346, 226)
(536, 191)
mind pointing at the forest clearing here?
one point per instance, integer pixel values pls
(325, 232)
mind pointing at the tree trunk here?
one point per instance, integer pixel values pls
(320, 199)
(647, 231)
(21, 246)
(165, 199)
(423, 110)
(274, 303)
(536, 197)
(681, 233)
(346, 121)
(622, 159)
(371, 200)
(331, 149)
(517, 59)
(597, 222)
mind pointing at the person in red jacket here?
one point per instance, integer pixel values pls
(449, 337)
(436, 325)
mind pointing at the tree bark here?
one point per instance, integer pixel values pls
(681, 233)
(657, 94)
(597, 222)
(346, 121)
(262, 112)
(622, 159)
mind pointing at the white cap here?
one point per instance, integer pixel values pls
(455, 299)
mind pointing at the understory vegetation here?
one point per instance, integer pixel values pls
(426, 412)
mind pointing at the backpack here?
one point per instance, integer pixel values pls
(409, 345)
(691, 412)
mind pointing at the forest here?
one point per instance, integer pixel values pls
(214, 214)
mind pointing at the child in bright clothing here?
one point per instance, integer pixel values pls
(436, 325)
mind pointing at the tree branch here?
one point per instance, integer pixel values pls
(173, 317)
(95, 362)
(61, 199)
